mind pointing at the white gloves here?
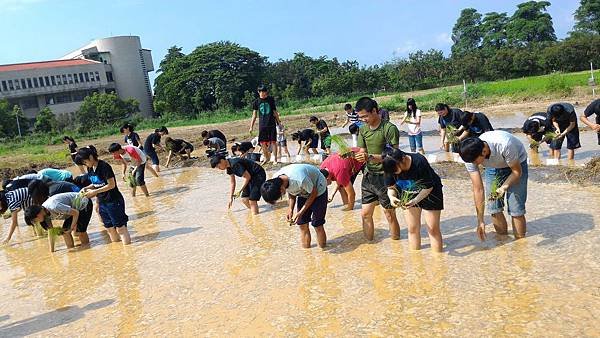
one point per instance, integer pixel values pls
(393, 196)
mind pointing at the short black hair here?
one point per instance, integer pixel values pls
(127, 126)
(204, 133)
(556, 109)
(162, 129)
(530, 127)
(325, 172)
(215, 160)
(85, 153)
(470, 149)
(347, 106)
(114, 147)
(82, 181)
(271, 190)
(68, 138)
(390, 160)
(296, 136)
(263, 88)
(442, 106)
(465, 119)
(39, 191)
(313, 119)
(3, 202)
(366, 103)
(31, 213)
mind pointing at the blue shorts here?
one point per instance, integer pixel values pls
(153, 156)
(415, 141)
(317, 211)
(113, 213)
(314, 142)
(516, 196)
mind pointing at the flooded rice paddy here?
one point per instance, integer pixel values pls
(196, 269)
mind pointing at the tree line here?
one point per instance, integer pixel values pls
(486, 47)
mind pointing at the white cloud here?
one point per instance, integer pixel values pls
(443, 39)
(16, 5)
(409, 46)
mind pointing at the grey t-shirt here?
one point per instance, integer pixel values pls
(60, 205)
(216, 143)
(303, 178)
(505, 149)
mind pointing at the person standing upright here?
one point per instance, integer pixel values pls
(268, 118)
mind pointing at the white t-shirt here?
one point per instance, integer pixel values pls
(413, 129)
(505, 149)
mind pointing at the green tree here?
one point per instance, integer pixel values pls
(530, 23)
(587, 17)
(45, 121)
(493, 28)
(467, 33)
(173, 54)
(213, 76)
(98, 110)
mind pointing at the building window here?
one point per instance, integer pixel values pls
(41, 81)
(29, 84)
(70, 77)
(97, 76)
(64, 78)
(47, 81)
(17, 85)
(10, 85)
(29, 102)
(63, 98)
(35, 83)
(53, 80)
(87, 77)
(4, 86)
(49, 99)
(76, 78)
(109, 77)
(92, 77)
(24, 84)
(58, 80)
(81, 77)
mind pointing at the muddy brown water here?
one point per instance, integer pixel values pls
(195, 268)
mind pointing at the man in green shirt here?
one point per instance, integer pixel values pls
(373, 137)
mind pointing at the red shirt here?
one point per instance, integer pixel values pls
(340, 169)
(131, 152)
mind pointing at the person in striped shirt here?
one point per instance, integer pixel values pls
(14, 201)
(131, 155)
(355, 123)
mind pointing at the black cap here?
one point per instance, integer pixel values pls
(263, 88)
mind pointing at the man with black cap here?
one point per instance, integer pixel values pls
(268, 120)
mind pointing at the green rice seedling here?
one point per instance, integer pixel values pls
(451, 134)
(7, 214)
(550, 136)
(497, 182)
(131, 179)
(409, 192)
(39, 231)
(342, 147)
(78, 200)
(55, 232)
(534, 144)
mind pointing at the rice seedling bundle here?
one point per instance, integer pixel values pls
(497, 182)
(451, 134)
(341, 146)
(55, 232)
(550, 136)
(7, 214)
(534, 144)
(131, 179)
(78, 200)
(409, 192)
(39, 231)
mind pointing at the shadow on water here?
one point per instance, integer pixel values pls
(154, 236)
(50, 320)
(141, 215)
(551, 228)
(350, 242)
(170, 191)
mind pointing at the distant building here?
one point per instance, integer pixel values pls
(112, 65)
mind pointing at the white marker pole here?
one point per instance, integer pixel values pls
(592, 78)
(465, 92)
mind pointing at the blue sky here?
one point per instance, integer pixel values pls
(370, 32)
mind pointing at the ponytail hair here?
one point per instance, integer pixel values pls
(127, 126)
(85, 153)
(162, 129)
(391, 158)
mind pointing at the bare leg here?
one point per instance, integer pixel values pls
(114, 236)
(144, 190)
(68, 240)
(254, 207)
(390, 214)
(133, 190)
(266, 154)
(84, 239)
(570, 154)
(151, 169)
(343, 195)
(124, 234)
(246, 202)
(287, 152)
(367, 220)
(557, 154)
(156, 168)
(275, 151)
(500, 223)
(321, 236)
(412, 216)
(305, 235)
(432, 218)
(519, 224)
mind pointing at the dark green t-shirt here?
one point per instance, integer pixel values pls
(375, 141)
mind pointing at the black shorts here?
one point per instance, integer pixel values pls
(252, 190)
(572, 140)
(267, 134)
(314, 142)
(153, 156)
(282, 143)
(83, 221)
(374, 190)
(315, 215)
(139, 175)
(433, 201)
